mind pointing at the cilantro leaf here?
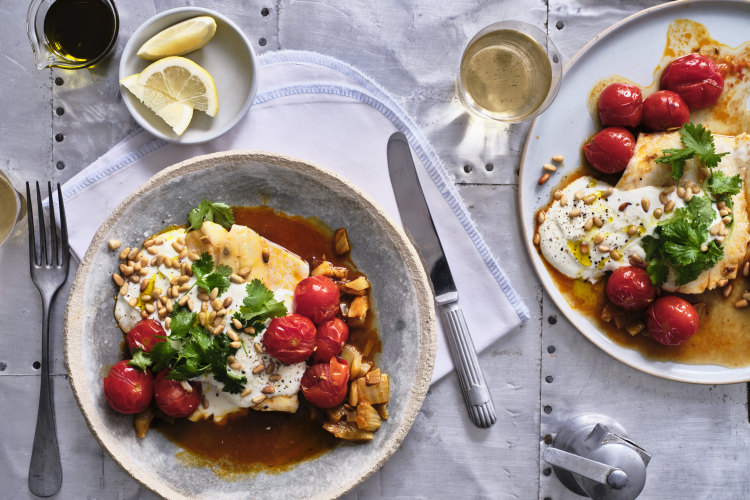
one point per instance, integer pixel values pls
(220, 213)
(182, 320)
(259, 306)
(699, 142)
(141, 360)
(658, 271)
(719, 184)
(234, 383)
(162, 355)
(208, 280)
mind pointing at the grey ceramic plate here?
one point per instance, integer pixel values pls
(401, 294)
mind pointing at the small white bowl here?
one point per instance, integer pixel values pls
(228, 57)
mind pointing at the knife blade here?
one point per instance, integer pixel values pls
(417, 221)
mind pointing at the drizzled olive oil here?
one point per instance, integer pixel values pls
(507, 73)
(80, 30)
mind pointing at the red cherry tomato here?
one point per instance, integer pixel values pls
(143, 335)
(290, 339)
(630, 287)
(620, 105)
(665, 109)
(329, 341)
(128, 390)
(316, 297)
(672, 320)
(324, 384)
(696, 78)
(610, 150)
(173, 399)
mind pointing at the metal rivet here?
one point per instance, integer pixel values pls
(547, 409)
(3, 366)
(549, 379)
(559, 25)
(548, 439)
(490, 167)
(547, 471)
(552, 320)
(264, 12)
(60, 165)
(59, 137)
(551, 349)
(555, 59)
(262, 42)
(467, 168)
(58, 81)
(36, 365)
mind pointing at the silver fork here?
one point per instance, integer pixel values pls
(49, 270)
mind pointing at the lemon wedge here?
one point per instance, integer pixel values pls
(177, 114)
(179, 39)
(180, 79)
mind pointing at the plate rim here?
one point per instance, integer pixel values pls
(598, 340)
(73, 313)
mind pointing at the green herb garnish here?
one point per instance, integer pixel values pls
(220, 213)
(207, 278)
(699, 142)
(140, 360)
(259, 306)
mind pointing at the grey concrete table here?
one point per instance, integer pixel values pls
(55, 122)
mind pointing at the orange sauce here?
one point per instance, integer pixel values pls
(251, 441)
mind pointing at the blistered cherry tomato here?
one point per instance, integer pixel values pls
(665, 109)
(290, 339)
(329, 341)
(324, 384)
(127, 389)
(630, 287)
(696, 78)
(620, 105)
(672, 320)
(172, 399)
(143, 335)
(610, 150)
(316, 297)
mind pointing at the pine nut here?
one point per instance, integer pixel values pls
(537, 239)
(136, 267)
(274, 378)
(588, 200)
(636, 259)
(126, 270)
(237, 323)
(557, 195)
(746, 295)
(133, 252)
(720, 239)
(133, 302)
(741, 304)
(259, 368)
(244, 271)
(214, 293)
(183, 279)
(144, 314)
(598, 239)
(259, 399)
(203, 297)
(632, 230)
(598, 222)
(227, 302)
(607, 193)
(540, 217)
(183, 288)
(235, 345)
(168, 322)
(544, 178)
(221, 313)
(159, 241)
(144, 285)
(704, 248)
(114, 244)
(265, 254)
(723, 212)
(584, 248)
(124, 289)
(548, 167)
(236, 366)
(746, 269)
(258, 348)
(680, 192)
(211, 316)
(588, 225)
(663, 198)
(238, 280)
(124, 253)
(722, 283)
(270, 368)
(204, 306)
(558, 158)
(193, 256)
(153, 261)
(233, 335)
(669, 206)
(183, 300)
(578, 195)
(727, 291)
(190, 303)
(726, 220)
(623, 206)
(216, 304)
(615, 255)
(714, 230)
(658, 213)
(118, 279)
(160, 259)
(603, 248)
(574, 213)
(134, 278)
(247, 392)
(152, 250)
(563, 200)
(183, 255)
(688, 196)
(645, 204)
(269, 389)
(177, 247)
(149, 308)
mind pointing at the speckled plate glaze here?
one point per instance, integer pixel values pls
(631, 48)
(402, 296)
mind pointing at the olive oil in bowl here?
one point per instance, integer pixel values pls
(507, 74)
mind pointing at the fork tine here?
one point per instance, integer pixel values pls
(54, 259)
(32, 234)
(63, 227)
(43, 258)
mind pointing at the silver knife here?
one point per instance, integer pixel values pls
(418, 223)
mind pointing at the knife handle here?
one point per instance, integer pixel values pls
(470, 377)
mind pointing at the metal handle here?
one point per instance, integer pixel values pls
(476, 395)
(615, 477)
(45, 471)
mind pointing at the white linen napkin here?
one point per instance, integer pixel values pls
(321, 110)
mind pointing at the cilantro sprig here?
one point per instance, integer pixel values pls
(677, 241)
(699, 142)
(209, 278)
(190, 351)
(259, 305)
(217, 212)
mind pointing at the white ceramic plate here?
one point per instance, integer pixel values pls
(632, 49)
(228, 57)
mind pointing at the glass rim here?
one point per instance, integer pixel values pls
(552, 54)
